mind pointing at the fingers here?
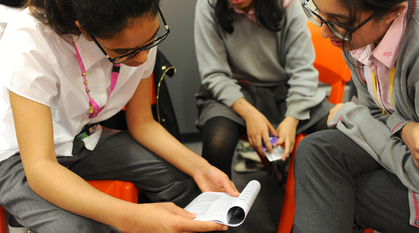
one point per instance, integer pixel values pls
(230, 187)
(256, 143)
(288, 148)
(267, 142)
(181, 212)
(200, 226)
(174, 209)
(263, 136)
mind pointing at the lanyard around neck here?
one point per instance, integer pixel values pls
(94, 108)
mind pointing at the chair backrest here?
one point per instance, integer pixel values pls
(330, 64)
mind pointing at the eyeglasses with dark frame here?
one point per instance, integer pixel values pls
(337, 29)
(132, 54)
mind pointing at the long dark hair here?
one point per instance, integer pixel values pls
(269, 14)
(104, 19)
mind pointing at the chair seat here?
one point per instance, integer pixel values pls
(123, 190)
(119, 189)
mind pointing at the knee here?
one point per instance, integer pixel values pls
(308, 150)
(322, 151)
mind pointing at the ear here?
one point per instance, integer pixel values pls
(395, 12)
(85, 33)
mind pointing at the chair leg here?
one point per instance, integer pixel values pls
(3, 221)
(286, 219)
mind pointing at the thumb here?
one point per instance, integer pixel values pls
(184, 213)
(230, 188)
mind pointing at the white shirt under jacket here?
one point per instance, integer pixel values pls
(39, 65)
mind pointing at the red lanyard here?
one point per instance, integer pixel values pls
(94, 108)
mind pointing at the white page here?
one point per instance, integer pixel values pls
(248, 195)
(211, 206)
(215, 206)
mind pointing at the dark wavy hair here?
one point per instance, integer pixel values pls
(103, 19)
(380, 7)
(269, 14)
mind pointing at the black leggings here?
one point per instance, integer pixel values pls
(219, 141)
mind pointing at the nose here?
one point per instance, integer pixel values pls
(325, 32)
(141, 57)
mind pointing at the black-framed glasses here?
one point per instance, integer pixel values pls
(337, 29)
(132, 54)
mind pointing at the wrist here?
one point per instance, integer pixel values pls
(243, 108)
(196, 166)
(291, 120)
(402, 133)
(122, 220)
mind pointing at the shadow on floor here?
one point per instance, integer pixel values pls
(264, 214)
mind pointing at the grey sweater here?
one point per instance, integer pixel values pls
(257, 56)
(378, 133)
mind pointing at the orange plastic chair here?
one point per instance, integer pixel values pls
(334, 72)
(119, 189)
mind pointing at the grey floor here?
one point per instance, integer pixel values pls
(264, 214)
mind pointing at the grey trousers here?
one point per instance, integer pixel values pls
(339, 188)
(118, 157)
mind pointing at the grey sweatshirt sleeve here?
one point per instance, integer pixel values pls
(211, 54)
(365, 125)
(297, 58)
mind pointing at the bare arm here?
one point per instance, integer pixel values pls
(45, 175)
(152, 135)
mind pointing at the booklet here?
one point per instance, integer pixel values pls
(277, 153)
(223, 208)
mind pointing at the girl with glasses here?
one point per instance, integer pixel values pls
(60, 77)
(365, 173)
(255, 59)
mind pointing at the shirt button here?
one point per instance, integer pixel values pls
(102, 91)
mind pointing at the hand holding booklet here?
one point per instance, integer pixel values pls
(224, 208)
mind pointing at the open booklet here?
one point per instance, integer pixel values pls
(224, 208)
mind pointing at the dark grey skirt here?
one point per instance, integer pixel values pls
(270, 101)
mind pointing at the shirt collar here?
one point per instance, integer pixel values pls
(385, 52)
(89, 51)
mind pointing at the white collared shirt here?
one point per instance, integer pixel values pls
(6, 14)
(41, 66)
